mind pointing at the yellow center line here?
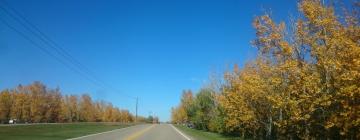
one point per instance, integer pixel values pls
(139, 133)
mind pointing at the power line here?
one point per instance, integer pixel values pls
(55, 46)
(46, 39)
(43, 37)
(40, 47)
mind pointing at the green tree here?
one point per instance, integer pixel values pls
(203, 106)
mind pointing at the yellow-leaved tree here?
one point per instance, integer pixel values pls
(304, 82)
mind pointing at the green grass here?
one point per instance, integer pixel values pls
(54, 131)
(204, 135)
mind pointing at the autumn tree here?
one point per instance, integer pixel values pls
(20, 109)
(70, 109)
(185, 110)
(108, 113)
(99, 110)
(53, 107)
(126, 116)
(65, 110)
(178, 115)
(37, 104)
(5, 105)
(86, 109)
(304, 83)
(317, 71)
(335, 59)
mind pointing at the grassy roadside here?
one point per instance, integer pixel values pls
(203, 135)
(55, 131)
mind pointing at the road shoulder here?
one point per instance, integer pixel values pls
(181, 133)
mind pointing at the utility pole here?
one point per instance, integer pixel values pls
(136, 113)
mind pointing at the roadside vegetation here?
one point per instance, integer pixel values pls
(304, 83)
(196, 134)
(36, 103)
(55, 131)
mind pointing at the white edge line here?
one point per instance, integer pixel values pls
(96, 134)
(182, 134)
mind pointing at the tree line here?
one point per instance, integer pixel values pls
(36, 103)
(303, 84)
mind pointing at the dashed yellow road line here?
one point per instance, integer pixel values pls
(139, 133)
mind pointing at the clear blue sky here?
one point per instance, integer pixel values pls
(151, 49)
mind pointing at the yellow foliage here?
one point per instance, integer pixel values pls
(304, 84)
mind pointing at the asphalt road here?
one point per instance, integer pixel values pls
(140, 132)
